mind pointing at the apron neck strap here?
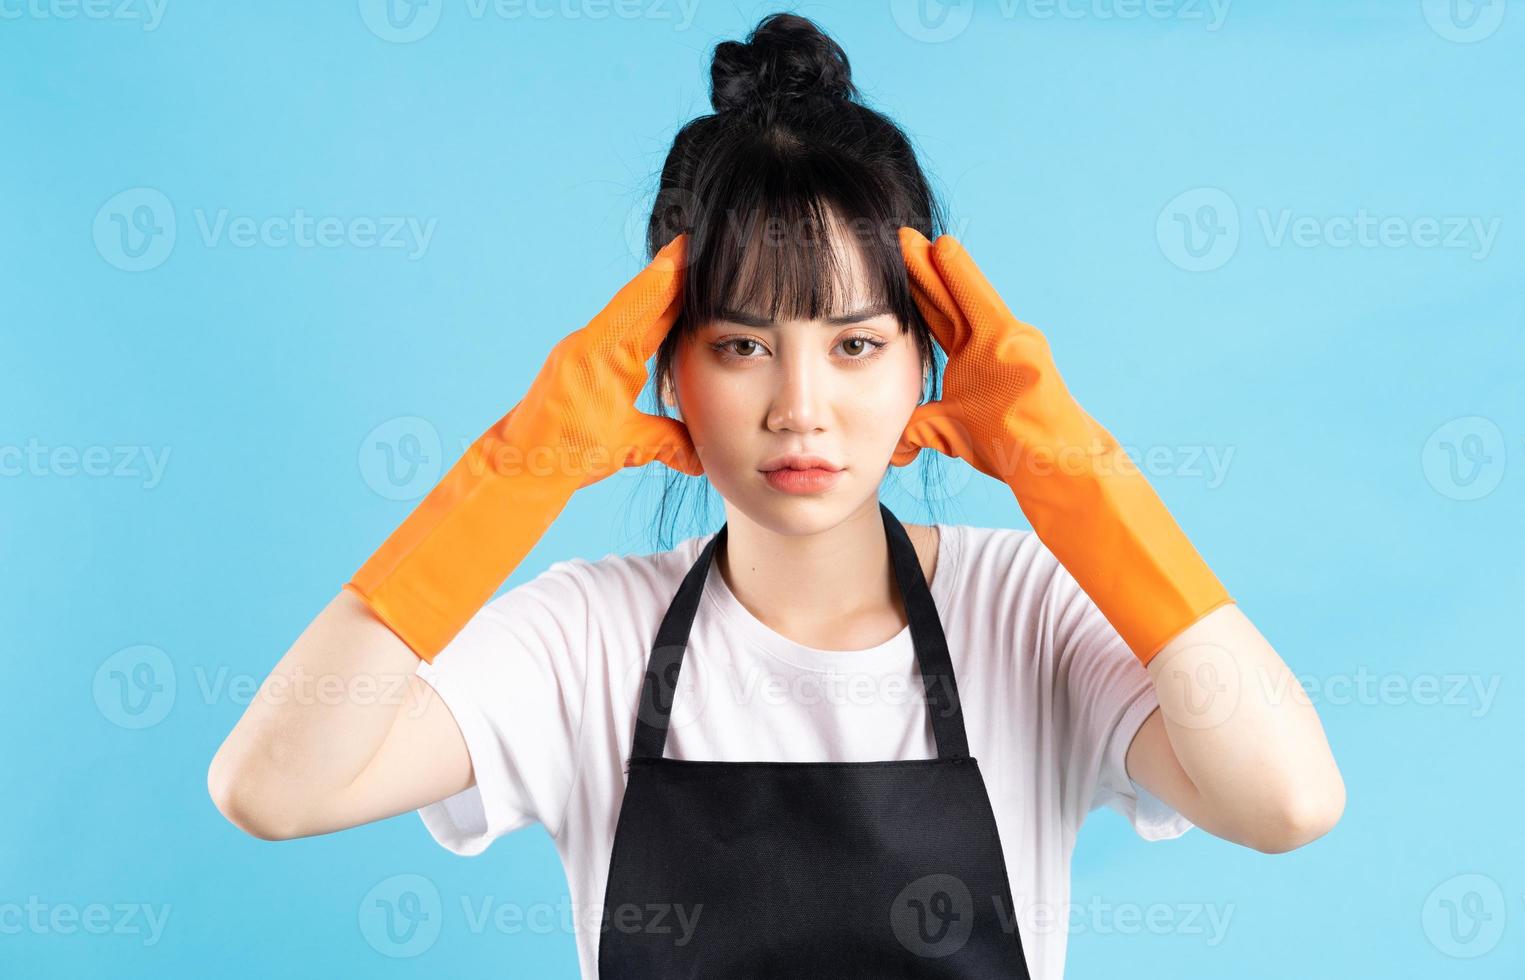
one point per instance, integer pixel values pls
(931, 646)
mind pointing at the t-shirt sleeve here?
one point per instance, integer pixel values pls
(1105, 695)
(513, 678)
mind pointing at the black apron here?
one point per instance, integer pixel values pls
(819, 870)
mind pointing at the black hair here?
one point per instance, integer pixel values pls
(790, 148)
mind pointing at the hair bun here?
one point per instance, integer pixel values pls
(785, 58)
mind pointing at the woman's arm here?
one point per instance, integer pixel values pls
(341, 733)
(1236, 746)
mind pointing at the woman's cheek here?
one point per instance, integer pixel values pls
(893, 400)
(711, 410)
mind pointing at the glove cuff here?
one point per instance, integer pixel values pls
(444, 562)
(1107, 526)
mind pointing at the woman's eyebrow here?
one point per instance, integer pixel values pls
(856, 316)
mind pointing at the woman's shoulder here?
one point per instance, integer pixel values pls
(613, 601)
(988, 557)
(973, 539)
(624, 574)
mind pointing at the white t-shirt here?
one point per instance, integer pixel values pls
(543, 683)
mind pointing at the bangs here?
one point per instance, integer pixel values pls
(793, 236)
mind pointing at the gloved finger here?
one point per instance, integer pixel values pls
(930, 293)
(661, 439)
(630, 327)
(978, 302)
(941, 429)
(931, 426)
(668, 268)
(909, 446)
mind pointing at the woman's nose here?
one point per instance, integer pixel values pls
(798, 400)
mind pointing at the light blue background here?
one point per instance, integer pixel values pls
(1328, 377)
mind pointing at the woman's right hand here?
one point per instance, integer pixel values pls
(579, 416)
(297, 766)
(576, 425)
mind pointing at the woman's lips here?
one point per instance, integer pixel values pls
(815, 480)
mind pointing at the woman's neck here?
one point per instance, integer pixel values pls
(834, 590)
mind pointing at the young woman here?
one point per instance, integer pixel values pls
(817, 741)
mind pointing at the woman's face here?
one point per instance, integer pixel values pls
(841, 387)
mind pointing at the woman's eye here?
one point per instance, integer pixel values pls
(727, 347)
(864, 344)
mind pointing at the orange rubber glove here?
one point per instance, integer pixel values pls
(1005, 410)
(576, 425)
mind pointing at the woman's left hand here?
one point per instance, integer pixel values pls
(1006, 411)
(1002, 397)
